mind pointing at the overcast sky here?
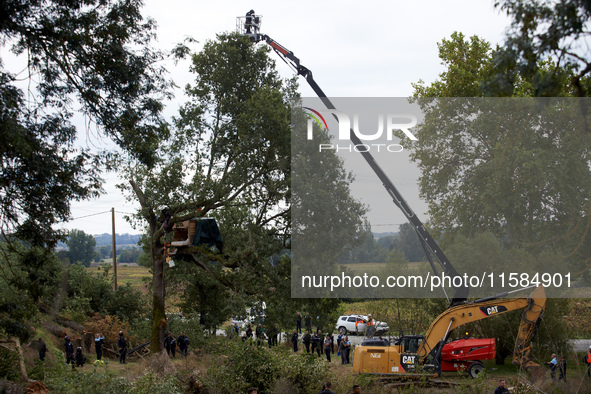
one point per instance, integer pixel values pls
(354, 49)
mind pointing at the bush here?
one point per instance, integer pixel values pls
(62, 379)
(151, 383)
(9, 369)
(249, 365)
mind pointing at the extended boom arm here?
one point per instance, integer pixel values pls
(431, 247)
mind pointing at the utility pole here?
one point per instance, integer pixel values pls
(114, 251)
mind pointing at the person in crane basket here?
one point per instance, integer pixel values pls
(248, 21)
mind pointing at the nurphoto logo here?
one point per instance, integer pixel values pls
(385, 124)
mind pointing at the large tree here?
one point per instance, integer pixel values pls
(228, 159)
(91, 57)
(513, 166)
(81, 247)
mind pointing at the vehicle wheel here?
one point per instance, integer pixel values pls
(343, 330)
(475, 369)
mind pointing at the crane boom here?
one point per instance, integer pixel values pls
(429, 245)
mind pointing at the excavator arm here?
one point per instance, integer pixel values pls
(533, 310)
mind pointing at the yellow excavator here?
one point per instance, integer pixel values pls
(414, 355)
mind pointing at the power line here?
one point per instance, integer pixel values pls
(93, 214)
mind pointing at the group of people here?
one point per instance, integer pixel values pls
(271, 336)
(170, 344)
(315, 344)
(76, 359)
(307, 321)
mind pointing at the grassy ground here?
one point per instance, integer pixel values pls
(134, 275)
(342, 377)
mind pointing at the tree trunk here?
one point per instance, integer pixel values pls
(21, 359)
(158, 305)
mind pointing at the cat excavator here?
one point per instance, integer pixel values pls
(420, 355)
(413, 355)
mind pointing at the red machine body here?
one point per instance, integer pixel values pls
(460, 354)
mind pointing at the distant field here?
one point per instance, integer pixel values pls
(369, 268)
(128, 274)
(378, 268)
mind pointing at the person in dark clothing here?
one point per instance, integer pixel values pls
(314, 342)
(307, 339)
(327, 389)
(80, 359)
(275, 334)
(347, 348)
(319, 342)
(294, 341)
(327, 347)
(248, 332)
(248, 21)
(170, 345)
(69, 350)
(299, 323)
(99, 341)
(183, 343)
(270, 336)
(122, 344)
(259, 333)
(308, 321)
(42, 349)
(562, 369)
(342, 350)
(332, 343)
(501, 389)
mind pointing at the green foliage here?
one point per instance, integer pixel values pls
(96, 52)
(62, 379)
(189, 324)
(129, 255)
(541, 31)
(515, 167)
(467, 64)
(81, 247)
(88, 293)
(151, 383)
(408, 243)
(253, 366)
(29, 277)
(9, 365)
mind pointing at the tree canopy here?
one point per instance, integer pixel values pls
(92, 57)
(513, 166)
(81, 247)
(541, 31)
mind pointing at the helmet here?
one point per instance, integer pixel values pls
(67, 337)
